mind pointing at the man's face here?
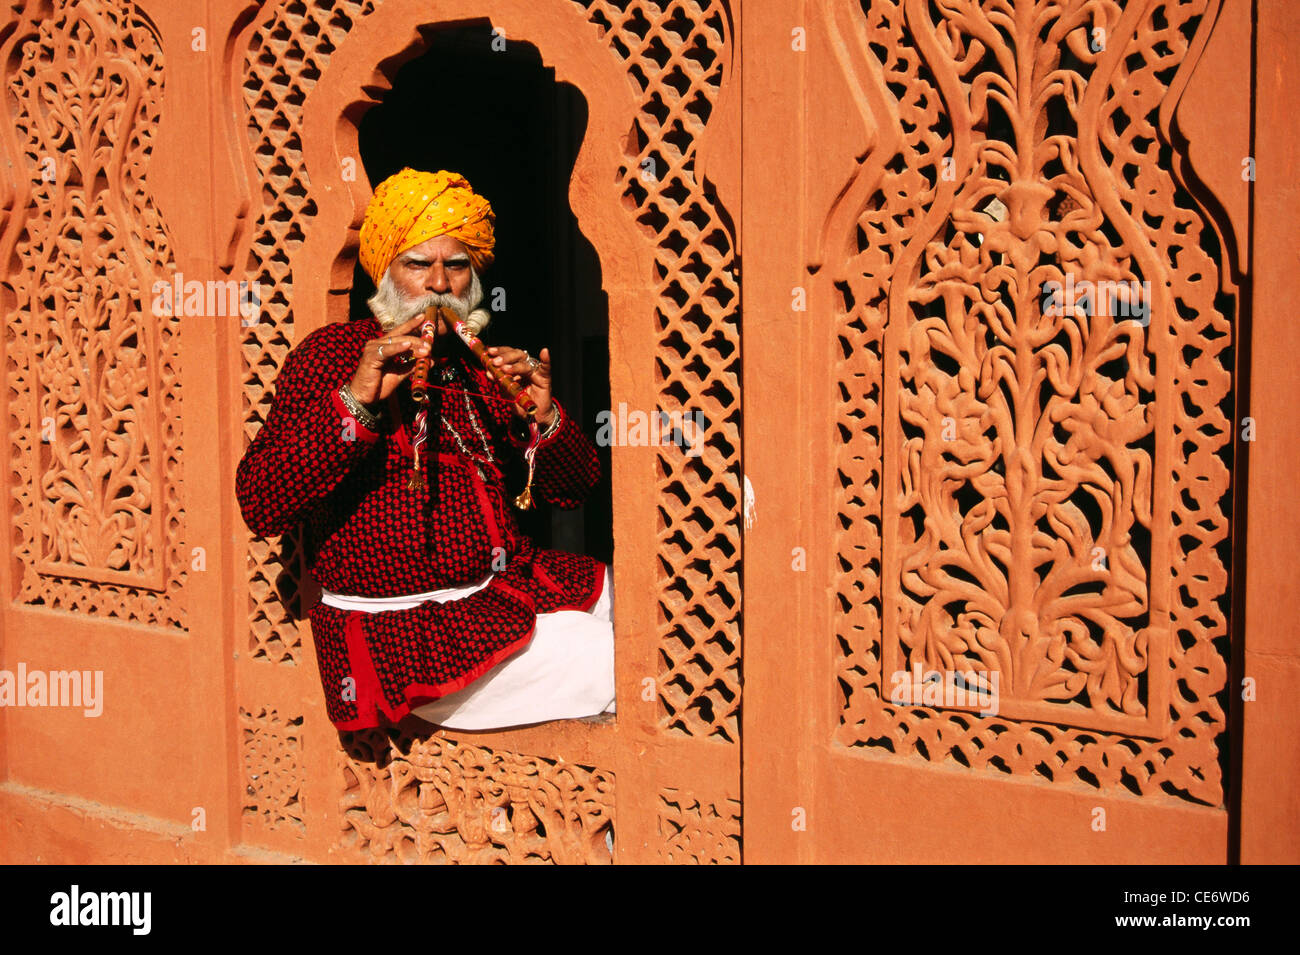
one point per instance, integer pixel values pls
(437, 267)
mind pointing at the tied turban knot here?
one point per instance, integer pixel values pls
(411, 207)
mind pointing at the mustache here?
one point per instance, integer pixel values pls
(413, 307)
(461, 307)
(391, 308)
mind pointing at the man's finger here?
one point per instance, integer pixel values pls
(396, 343)
(507, 356)
(389, 348)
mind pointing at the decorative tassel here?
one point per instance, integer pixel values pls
(525, 499)
(417, 482)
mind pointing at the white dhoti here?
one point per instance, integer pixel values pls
(565, 672)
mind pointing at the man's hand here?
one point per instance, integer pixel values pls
(537, 378)
(386, 362)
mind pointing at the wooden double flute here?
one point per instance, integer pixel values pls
(420, 379)
(420, 392)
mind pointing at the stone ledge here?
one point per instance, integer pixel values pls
(41, 827)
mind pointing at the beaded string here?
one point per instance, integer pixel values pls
(518, 395)
(524, 501)
(462, 391)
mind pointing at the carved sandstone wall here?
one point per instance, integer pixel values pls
(937, 466)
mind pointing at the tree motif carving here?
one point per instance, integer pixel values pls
(94, 373)
(1043, 494)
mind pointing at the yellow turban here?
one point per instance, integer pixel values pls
(411, 207)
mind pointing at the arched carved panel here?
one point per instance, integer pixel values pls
(93, 371)
(1039, 494)
(678, 53)
(288, 47)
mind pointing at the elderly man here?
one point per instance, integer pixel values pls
(434, 602)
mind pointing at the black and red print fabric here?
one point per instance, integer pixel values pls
(366, 534)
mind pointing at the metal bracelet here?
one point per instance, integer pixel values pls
(554, 425)
(367, 419)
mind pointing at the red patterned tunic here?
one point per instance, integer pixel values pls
(367, 535)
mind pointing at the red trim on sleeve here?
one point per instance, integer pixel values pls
(522, 443)
(363, 433)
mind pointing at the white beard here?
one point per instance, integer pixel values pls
(391, 308)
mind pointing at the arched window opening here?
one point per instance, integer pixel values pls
(499, 118)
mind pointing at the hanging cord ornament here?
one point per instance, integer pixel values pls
(535, 437)
(522, 399)
(525, 499)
